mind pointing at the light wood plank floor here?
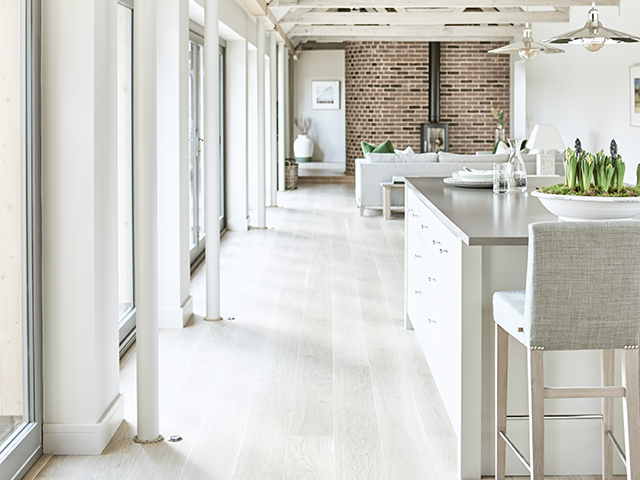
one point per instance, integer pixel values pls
(315, 376)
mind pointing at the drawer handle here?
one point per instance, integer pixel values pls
(418, 292)
(410, 210)
(423, 227)
(444, 251)
(435, 242)
(431, 279)
(414, 215)
(417, 256)
(432, 321)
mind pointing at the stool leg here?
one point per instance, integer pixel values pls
(536, 413)
(502, 363)
(630, 404)
(608, 371)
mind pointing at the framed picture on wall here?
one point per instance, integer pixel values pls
(635, 94)
(325, 95)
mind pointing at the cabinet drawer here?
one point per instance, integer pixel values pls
(435, 235)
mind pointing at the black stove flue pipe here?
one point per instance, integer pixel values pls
(434, 82)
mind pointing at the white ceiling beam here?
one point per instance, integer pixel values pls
(435, 3)
(421, 18)
(404, 31)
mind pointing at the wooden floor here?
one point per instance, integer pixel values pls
(313, 375)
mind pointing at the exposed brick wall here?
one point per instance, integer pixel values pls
(387, 94)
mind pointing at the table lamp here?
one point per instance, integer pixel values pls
(547, 140)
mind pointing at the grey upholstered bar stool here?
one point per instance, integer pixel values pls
(582, 293)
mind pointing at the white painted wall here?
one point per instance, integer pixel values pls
(328, 126)
(82, 406)
(174, 301)
(587, 95)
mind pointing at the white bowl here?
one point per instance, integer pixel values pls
(573, 208)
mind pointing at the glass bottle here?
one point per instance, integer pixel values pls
(517, 172)
(499, 134)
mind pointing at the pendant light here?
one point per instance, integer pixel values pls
(593, 36)
(527, 48)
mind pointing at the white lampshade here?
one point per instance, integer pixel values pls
(544, 138)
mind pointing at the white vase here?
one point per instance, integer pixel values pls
(574, 208)
(303, 148)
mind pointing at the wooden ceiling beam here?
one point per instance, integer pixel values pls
(406, 31)
(435, 3)
(272, 25)
(413, 17)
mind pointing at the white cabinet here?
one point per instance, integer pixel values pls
(449, 286)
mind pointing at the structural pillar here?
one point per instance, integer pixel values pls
(281, 116)
(145, 176)
(82, 405)
(262, 210)
(175, 302)
(212, 158)
(273, 100)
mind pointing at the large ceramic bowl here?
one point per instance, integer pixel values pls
(573, 208)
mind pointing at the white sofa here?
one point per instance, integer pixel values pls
(382, 167)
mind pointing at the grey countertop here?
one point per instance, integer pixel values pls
(477, 216)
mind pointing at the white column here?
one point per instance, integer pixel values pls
(175, 304)
(262, 211)
(212, 158)
(273, 100)
(287, 106)
(145, 173)
(82, 405)
(281, 115)
(237, 126)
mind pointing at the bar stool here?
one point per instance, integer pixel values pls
(582, 293)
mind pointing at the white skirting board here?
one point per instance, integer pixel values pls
(176, 317)
(84, 439)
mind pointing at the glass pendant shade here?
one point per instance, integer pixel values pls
(527, 48)
(593, 36)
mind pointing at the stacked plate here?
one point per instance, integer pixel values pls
(471, 178)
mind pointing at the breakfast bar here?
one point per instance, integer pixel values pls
(462, 245)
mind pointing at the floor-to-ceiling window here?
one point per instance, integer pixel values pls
(126, 293)
(20, 329)
(197, 230)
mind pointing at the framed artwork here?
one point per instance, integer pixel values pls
(325, 95)
(634, 79)
(434, 137)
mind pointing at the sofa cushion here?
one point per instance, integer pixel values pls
(445, 157)
(384, 147)
(406, 150)
(401, 157)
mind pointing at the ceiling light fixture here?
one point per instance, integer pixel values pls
(527, 48)
(593, 36)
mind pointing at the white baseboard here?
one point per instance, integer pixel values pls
(84, 439)
(238, 224)
(176, 317)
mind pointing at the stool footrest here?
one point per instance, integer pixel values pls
(617, 447)
(578, 416)
(584, 392)
(511, 445)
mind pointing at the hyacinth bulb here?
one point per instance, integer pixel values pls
(593, 44)
(613, 149)
(527, 53)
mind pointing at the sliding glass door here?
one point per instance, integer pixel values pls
(197, 232)
(126, 293)
(20, 327)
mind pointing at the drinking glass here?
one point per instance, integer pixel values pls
(500, 178)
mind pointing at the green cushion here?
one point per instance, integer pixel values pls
(384, 147)
(367, 147)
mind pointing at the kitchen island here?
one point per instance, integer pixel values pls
(462, 245)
